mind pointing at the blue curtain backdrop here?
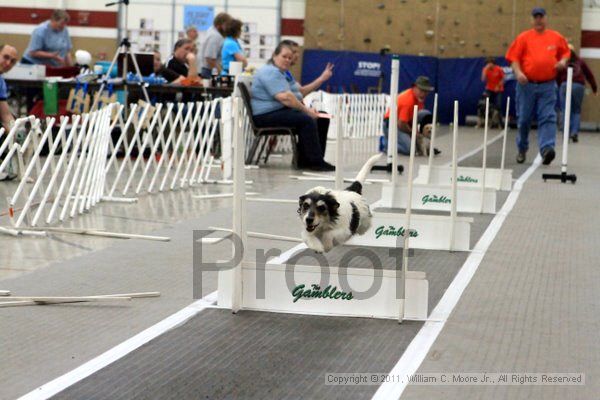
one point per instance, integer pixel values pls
(454, 78)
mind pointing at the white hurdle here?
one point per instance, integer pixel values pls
(238, 286)
(440, 197)
(493, 178)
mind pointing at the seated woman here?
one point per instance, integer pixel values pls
(277, 101)
(231, 50)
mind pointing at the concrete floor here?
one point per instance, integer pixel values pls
(60, 338)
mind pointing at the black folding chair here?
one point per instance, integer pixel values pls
(264, 134)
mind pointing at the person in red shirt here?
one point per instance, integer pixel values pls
(581, 73)
(413, 96)
(536, 56)
(493, 76)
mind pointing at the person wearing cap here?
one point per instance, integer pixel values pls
(407, 100)
(536, 56)
(581, 73)
(50, 42)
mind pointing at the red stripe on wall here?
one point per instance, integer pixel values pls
(96, 19)
(292, 27)
(590, 39)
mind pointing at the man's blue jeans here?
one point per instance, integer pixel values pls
(403, 138)
(424, 117)
(577, 93)
(537, 99)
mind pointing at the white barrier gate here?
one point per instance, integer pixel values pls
(238, 286)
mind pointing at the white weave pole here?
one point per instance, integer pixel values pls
(186, 147)
(565, 149)
(504, 137)
(408, 213)
(28, 171)
(61, 160)
(392, 149)
(454, 183)
(40, 178)
(147, 139)
(199, 143)
(78, 138)
(80, 160)
(432, 140)
(239, 201)
(339, 142)
(159, 139)
(176, 143)
(485, 142)
(129, 149)
(165, 148)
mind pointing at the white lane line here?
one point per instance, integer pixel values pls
(419, 347)
(477, 149)
(121, 350)
(62, 382)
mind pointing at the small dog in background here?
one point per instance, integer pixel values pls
(331, 217)
(495, 120)
(423, 140)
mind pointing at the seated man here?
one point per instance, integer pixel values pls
(183, 62)
(414, 96)
(8, 58)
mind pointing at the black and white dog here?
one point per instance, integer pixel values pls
(331, 217)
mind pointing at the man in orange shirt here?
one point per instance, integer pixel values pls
(536, 56)
(414, 96)
(493, 76)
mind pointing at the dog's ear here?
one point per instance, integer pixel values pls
(332, 203)
(300, 201)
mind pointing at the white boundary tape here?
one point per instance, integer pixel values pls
(96, 364)
(414, 355)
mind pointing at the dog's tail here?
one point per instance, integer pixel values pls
(356, 186)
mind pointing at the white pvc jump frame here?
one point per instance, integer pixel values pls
(236, 286)
(484, 177)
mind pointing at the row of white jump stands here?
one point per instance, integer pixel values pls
(403, 294)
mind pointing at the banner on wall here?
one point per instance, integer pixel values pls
(199, 16)
(453, 78)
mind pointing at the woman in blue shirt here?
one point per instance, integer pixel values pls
(277, 101)
(231, 50)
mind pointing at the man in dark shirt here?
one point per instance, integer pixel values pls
(183, 61)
